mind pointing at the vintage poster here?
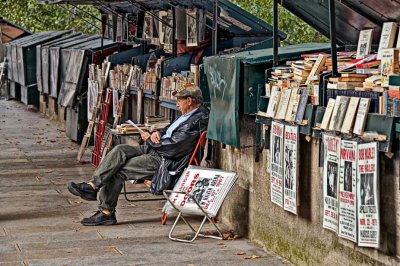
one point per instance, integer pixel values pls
(347, 190)
(331, 181)
(290, 168)
(115, 102)
(367, 195)
(192, 28)
(93, 89)
(276, 163)
(208, 187)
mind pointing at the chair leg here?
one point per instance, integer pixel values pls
(197, 232)
(164, 218)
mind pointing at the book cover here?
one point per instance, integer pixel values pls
(328, 114)
(335, 114)
(340, 114)
(317, 67)
(350, 115)
(283, 104)
(364, 43)
(273, 102)
(291, 104)
(389, 64)
(387, 37)
(302, 106)
(361, 117)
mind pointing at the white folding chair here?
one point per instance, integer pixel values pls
(180, 216)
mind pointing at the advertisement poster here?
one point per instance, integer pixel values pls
(347, 190)
(276, 163)
(367, 195)
(331, 181)
(290, 168)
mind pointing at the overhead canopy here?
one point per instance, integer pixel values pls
(231, 17)
(351, 16)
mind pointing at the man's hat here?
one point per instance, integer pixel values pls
(188, 91)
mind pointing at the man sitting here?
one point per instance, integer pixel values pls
(165, 150)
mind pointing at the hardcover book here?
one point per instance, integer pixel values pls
(273, 102)
(387, 37)
(350, 115)
(389, 64)
(328, 114)
(302, 106)
(338, 117)
(283, 105)
(292, 103)
(364, 43)
(361, 117)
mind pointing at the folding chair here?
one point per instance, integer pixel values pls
(180, 216)
(204, 200)
(197, 153)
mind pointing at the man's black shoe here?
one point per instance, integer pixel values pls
(100, 218)
(83, 190)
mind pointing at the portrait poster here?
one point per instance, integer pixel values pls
(347, 190)
(368, 196)
(192, 28)
(276, 163)
(331, 181)
(168, 37)
(290, 168)
(148, 27)
(93, 90)
(131, 28)
(115, 102)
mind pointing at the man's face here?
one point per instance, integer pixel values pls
(183, 104)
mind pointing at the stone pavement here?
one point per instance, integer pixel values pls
(39, 219)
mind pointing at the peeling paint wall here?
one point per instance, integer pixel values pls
(301, 239)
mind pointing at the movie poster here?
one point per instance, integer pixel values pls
(276, 163)
(331, 181)
(367, 195)
(347, 190)
(290, 166)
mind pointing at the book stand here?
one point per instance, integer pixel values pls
(180, 216)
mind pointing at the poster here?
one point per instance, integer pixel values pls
(347, 190)
(331, 181)
(115, 102)
(276, 163)
(192, 29)
(367, 195)
(93, 90)
(290, 168)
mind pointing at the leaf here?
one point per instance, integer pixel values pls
(240, 253)
(252, 257)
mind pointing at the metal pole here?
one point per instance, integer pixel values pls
(332, 26)
(174, 43)
(275, 33)
(215, 29)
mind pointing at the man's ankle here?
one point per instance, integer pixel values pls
(106, 212)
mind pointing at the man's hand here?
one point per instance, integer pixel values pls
(145, 136)
(155, 137)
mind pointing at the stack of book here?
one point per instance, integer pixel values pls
(177, 80)
(137, 78)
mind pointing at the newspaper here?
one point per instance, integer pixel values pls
(276, 163)
(330, 182)
(208, 187)
(290, 168)
(367, 195)
(347, 190)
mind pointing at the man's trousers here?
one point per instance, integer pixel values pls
(123, 162)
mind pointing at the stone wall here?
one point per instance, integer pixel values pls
(301, 239)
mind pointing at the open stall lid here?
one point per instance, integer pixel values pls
(227, 88)
(351, 16)
(230, 17)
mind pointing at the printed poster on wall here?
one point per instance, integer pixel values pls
(347, 190)
(367, 199)
(276, 163)
(290, 168)
(330, 182)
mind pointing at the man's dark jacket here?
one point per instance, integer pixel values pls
(177, 150)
